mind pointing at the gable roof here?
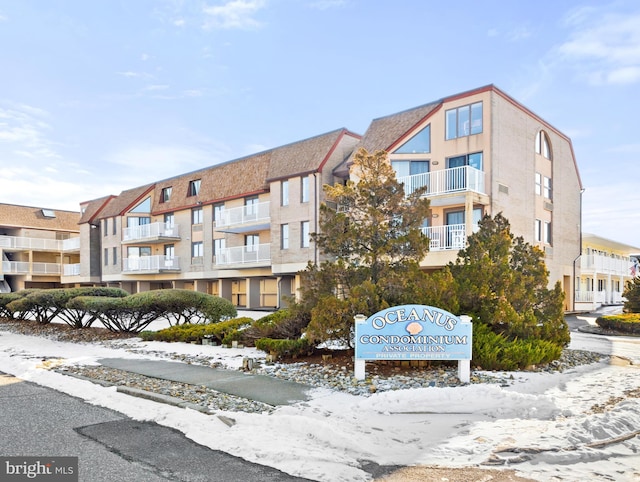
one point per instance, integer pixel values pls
(118, 205)
(12, 215)
(90, 209)
(306, 156)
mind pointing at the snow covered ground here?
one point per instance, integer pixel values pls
(582, 424)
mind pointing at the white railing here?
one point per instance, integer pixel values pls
(150, 263)
(605, 264)
(584, 296)
(19, 242)
(444, 181)
(153, 230)
(250, 214)
(71, 244)
(71, 269)
(24, 267)
(244, 254)
(447, 237)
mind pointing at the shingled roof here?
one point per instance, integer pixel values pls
(303, 156)
(117, 205)
(384, 131)
(90, 209)
(12, 215)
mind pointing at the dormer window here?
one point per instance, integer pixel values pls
(194, 187)
(165, 195)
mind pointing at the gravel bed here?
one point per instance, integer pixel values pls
(314, 375)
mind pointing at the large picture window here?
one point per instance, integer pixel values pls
(464, 121)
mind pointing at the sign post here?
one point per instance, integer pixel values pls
(413, 332)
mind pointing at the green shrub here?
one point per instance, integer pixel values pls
(131, 314)
(624, 323)
(180, 306)
(7, 298)
(282, 324)
(494, 351)
(285, 348)
(219, 332)
(631, 294)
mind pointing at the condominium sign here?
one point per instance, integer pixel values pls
(413, 332)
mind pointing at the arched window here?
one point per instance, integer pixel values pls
(543, 146)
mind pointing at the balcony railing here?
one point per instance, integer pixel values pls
(449, 237)
(71, 269)
(260, 253)
(152, 264)
(445, 181)
(36, 244)
(250, 214)
(150, 231)
(605, 264)
(24, 267)
(71, 244)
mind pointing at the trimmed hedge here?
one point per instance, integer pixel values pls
(493, 351)
(285, 348)
(131, 314)
(181, 306)
(624, 323)
(7, 298)
(223, 332)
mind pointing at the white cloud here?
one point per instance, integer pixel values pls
(604, 48)
(23, 132)
(327, 4)
(234, 14)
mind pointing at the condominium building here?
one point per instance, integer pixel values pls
(241, 229)
(34, 245)
(605, 267)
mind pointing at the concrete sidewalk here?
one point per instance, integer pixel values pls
(261, 388)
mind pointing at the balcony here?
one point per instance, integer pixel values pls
(254, 217)
(598, 263)
(19, 243)
(71, 269)
(150, 233)
(446, 181)
(71, 244)
(151, 264)
(24, 267)
(449, 237)
(260, 253)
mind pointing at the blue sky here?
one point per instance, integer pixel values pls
(100, 96)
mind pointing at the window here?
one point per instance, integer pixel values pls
(419, 143)
(133, 221)
(251, 242)
(218, 246)
(304, 189)
(105, 228)
(538, 233)
(284, 193)
(304, 234)
(197, 249)
(115, 256)
(143, 207)
(538, 184)
(284, 236)
(169, 251)
(474, 160)
(138, 251)
(106, 256)
(251, 207)
(48, 213)
(547, 187)
(196, 216)
(169, 220)
(194, 187)
(115, 227)
(543, 146)
(464, 121)
(218, 213)
(547, 233)
(601, 285)
(410, 168)
(165, 194)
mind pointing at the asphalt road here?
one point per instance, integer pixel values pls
(38, 421)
